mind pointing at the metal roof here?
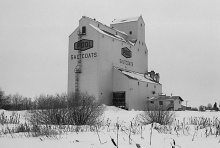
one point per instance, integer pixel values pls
(165, 98)
(104, 32)
(125, 20)
(136, 76)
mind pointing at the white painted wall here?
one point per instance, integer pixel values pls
(89, 76)
(177, 104)
(139, 51)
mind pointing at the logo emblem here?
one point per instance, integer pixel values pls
(83, 45)
(126, 52)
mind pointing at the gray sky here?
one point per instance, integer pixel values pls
(182, 36)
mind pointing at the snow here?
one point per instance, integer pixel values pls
(120, 31)
(115, 36)
(113, 115)
(125, 20)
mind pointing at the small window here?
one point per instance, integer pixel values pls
(84, 30)
(152, 102)
(171, 102)
(147, 85)
(154, 86)
(138, 83)
(98, 25)
(142, 43)
(180, 102)
(141, 25)
(139, 42)
(130, 32)
(160, 102)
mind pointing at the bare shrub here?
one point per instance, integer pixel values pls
(84, 109)
(80, 109)
(50, 110)
(157, 114)
(49, 116)
(14, 118)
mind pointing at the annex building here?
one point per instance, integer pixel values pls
(111, 63)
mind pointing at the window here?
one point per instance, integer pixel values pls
(84, 30)
(171, 102)
(152, 102)
(160, 102)
(180, 102)
(130, 32)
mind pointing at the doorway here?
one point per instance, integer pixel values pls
(119, 99)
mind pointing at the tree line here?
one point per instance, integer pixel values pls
(19, 102)
(209, 106)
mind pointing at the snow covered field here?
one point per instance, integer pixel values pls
(89, 137)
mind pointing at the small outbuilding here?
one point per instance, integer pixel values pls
(169, 102)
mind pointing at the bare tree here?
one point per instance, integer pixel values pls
(209, 106)
(201, 108)
(2, 99)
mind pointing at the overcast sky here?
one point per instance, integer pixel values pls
(182, 36)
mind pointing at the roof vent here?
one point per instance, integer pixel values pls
(152, 74)
(145, 75)
(157, 77)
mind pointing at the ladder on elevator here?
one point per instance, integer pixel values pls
(78, 68)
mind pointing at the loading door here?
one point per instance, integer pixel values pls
(119, 99)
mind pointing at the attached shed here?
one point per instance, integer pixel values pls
(133, 89)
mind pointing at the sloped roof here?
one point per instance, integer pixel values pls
(125, 20)
(112, 35)
(120, 31)
(136, 76)
(94, 20)
(165, 98)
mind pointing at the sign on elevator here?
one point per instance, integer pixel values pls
(83, 45)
